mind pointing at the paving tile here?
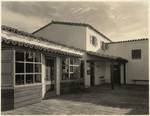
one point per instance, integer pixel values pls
(101, 100)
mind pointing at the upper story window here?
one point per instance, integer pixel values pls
(103, 45)
(93, 40)
(136, 54)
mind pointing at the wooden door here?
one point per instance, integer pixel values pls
(116, 73)
(92, 73)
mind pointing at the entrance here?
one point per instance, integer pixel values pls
(82, 69)
(92, 73)
(50, 77)
(116, 73)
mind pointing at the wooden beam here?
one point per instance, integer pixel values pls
(112, 74)
(124, 73)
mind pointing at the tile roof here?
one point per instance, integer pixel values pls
(32, 46)
(107, 56)
(134, 40)
(22, 33)
(74, 24)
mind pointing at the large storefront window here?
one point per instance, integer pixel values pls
(28, 67)
(70, 68)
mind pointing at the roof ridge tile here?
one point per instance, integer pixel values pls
(74, 24)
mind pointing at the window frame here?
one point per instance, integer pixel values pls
(70, 72)
(93, 40)
(25, 73)
(135, 57)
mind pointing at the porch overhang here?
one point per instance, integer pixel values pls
(94, 56)
(38, 47)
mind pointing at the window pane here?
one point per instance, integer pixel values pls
(29, 68)
(71, 76)
(37, 68)
(71, 68)
(19, 67)
(64, 61)
(75, 75)
(38, 78)
(29, 56)
(71, 61)
(136, 54)
(65, 69)
(76, 69)
(37, 57)
(19, 79)
(76, 61)
(19, 56)
(29, 79)
(65, 76)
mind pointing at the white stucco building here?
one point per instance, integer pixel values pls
(52, 59)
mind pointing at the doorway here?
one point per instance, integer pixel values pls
(82, 69)
(116, 73)
(50, 77)
(92, 69)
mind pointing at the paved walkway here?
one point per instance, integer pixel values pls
(125, 99)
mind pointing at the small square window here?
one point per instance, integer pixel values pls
(136, 54)
(93, 40)
(103, 45)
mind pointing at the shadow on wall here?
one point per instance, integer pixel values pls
(125, 96)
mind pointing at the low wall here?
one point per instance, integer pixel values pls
(27, 95)
(66, 87)
(7, 99)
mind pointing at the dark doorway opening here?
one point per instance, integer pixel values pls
(82, 69)
(92, 73)
(50, 77)
(117, 74)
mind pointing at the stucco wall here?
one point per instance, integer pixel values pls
(89, 46)
(107, 72)
(87, 76)
(99, 71)
(135, 69)
(66, 34)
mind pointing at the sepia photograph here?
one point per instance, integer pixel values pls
(75, 57)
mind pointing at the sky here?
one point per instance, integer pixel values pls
(117, 20)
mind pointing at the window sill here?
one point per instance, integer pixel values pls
(27, 85)
(64, 81)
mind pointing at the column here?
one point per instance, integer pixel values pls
(58, 75)
(112, 74)
(43, 75)
(119, 74)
